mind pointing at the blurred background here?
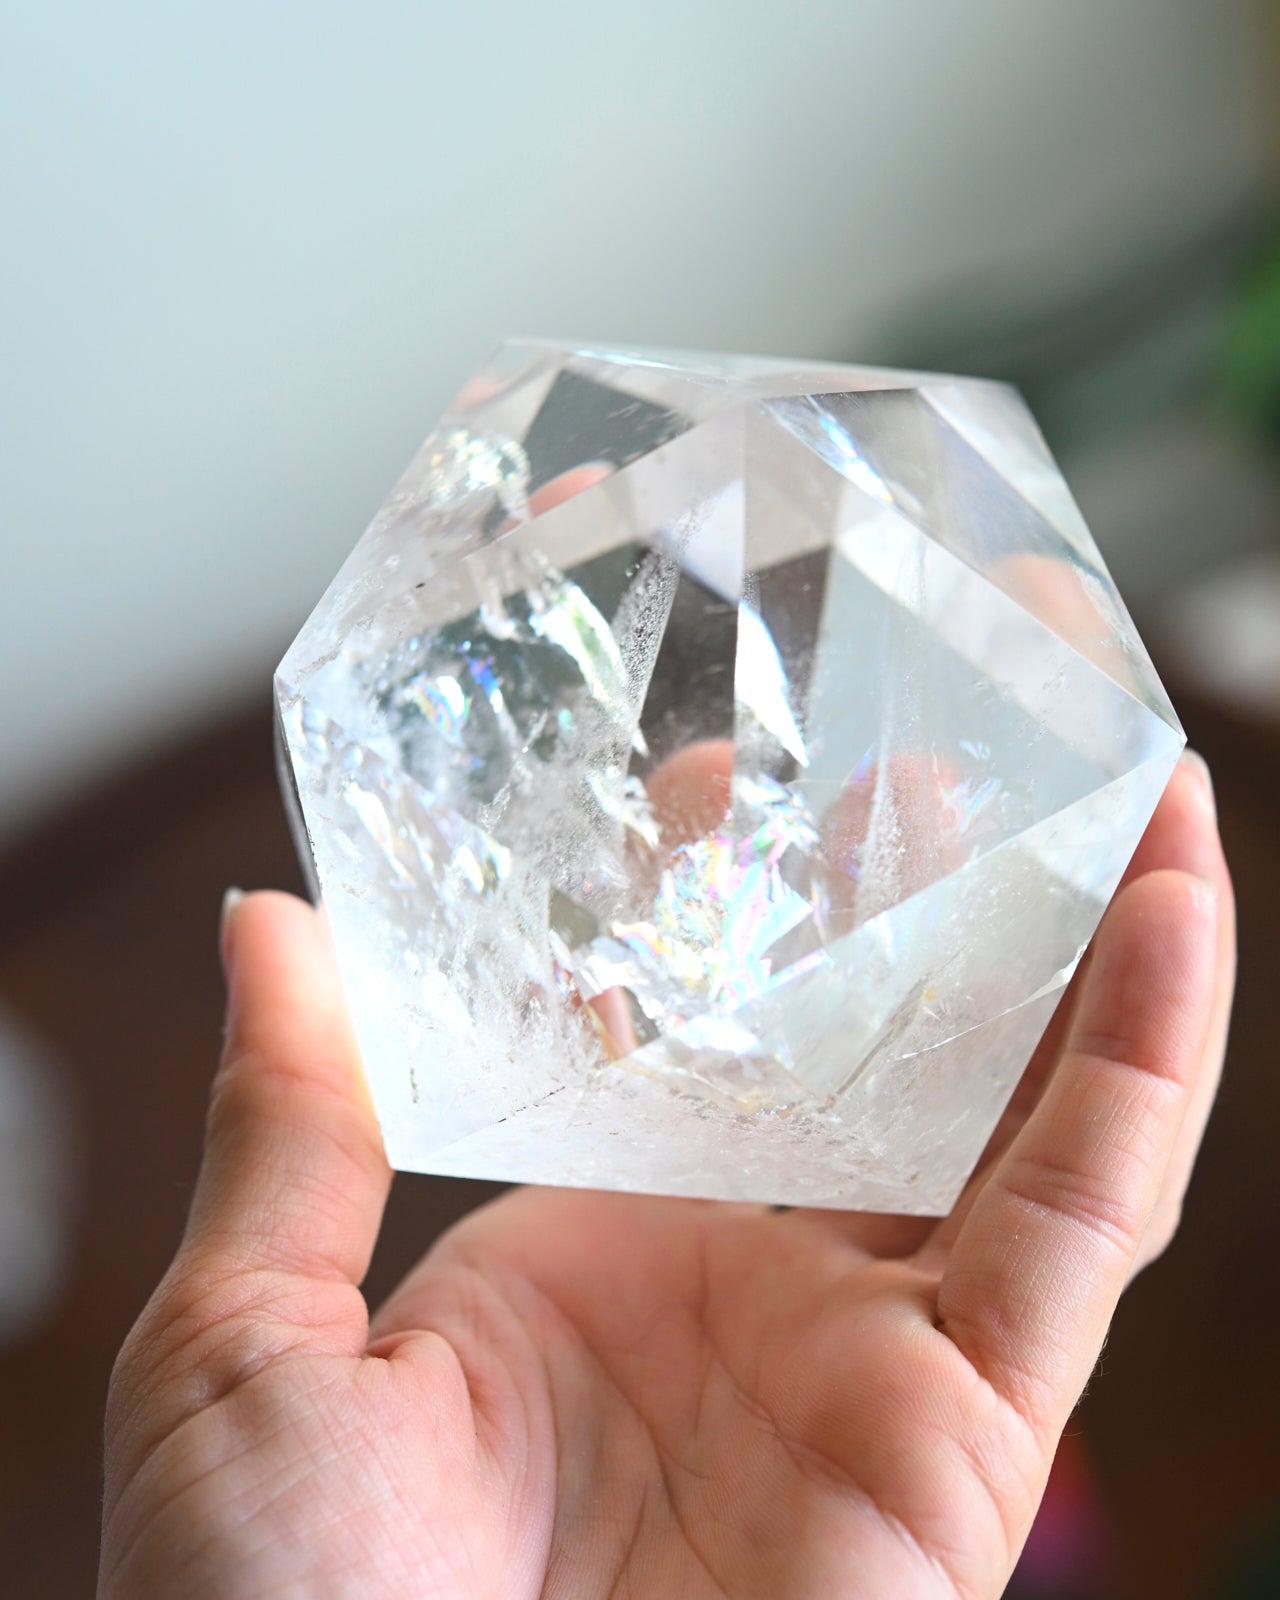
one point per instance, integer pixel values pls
(249, 251)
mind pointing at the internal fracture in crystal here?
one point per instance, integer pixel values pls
(713, 769)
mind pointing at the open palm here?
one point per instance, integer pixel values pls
(581, 1394)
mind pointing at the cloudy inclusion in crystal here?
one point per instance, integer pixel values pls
(713, 769)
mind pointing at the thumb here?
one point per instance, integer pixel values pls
(289, 1197)
(294, 1178)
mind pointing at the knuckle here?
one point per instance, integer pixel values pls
(1077, 1198)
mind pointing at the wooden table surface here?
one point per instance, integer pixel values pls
(107, 949)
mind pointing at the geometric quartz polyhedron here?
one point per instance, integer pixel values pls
(713, 769)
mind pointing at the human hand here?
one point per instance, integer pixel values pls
(579, 1394)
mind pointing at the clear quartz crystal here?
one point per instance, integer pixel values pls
(713, 769)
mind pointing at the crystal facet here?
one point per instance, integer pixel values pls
(713, 770)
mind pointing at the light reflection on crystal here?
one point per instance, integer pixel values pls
(805, 415)
(442, 703)
(470, 699)
(722, 908)
(963, 803)
(461, 466)
(724, 808)
(760, 683)
(563, 614)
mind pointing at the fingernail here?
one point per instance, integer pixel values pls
(1196, 764)
(226, 924)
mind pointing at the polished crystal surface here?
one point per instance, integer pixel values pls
(713, 770)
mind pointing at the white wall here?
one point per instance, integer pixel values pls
(248, 249)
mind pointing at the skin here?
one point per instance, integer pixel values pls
(579, 1394)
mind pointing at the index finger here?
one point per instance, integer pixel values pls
(1041, 1259)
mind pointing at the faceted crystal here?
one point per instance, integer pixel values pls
(713, 770)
